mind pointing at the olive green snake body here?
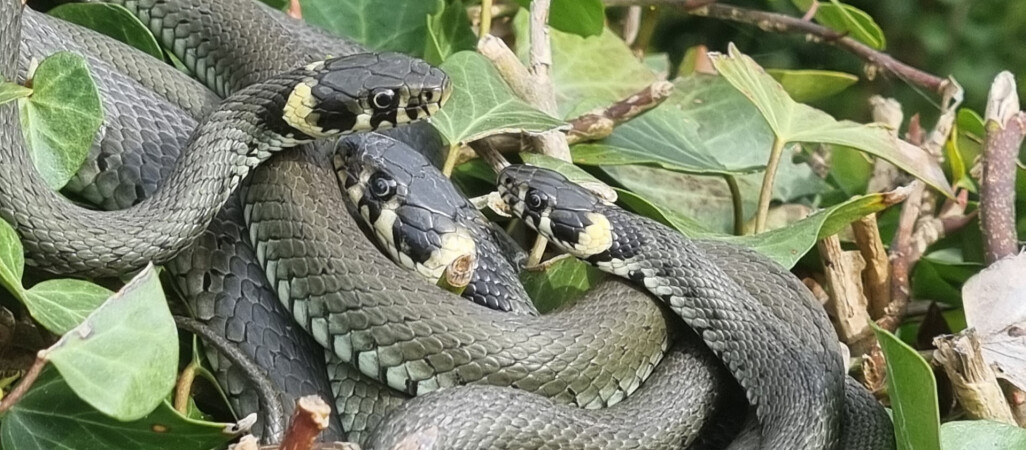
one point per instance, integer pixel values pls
(391, 325)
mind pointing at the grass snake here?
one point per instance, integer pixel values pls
(350, 299)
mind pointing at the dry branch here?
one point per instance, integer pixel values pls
(598, 124)
(972, 380)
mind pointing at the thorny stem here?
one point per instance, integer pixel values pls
(766, 192)
(26, 382)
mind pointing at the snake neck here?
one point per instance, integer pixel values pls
(758, 349)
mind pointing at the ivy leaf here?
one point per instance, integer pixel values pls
(60, 305)
(787, 245)
(913, 392)
(847, 20)
(563, 282)
(122, 359)
(796, 122)
(61, 117)
(482, 104)
(448, 32)
(581, 17)
(112, 20)
(981, 434)
(50, 416)
(12, 259)
(396, 25)
(583, 82)
(809, 85)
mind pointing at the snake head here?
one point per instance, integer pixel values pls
(409, 206)
(365, 92)
(560, 210)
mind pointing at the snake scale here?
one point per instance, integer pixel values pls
(392, 326)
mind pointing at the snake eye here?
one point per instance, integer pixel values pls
(534, 199)
(381, 186)
(383, 99)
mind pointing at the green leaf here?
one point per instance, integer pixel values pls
(809, 85)
(482, 104)
(854, 22)
(60, 305)
(581, 80)
(913, 393)
(787, 245)
(686, 225)
(580, 17)
(280, 5)
(396, 25)
(448, 32)
(123, 358)
(981, 435)
(112, 20)
(796, 122)
(847, 20)
(61, 117)
(12, 259)
(572, 172)
(50, 416)
(12, 91)
(563, 282)
(665, 137)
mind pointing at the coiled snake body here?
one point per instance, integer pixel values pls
(389, 324)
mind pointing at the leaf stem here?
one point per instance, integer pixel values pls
(183, 389)
(450, 160)
(735, 198)
(766, 193)
(26, 382)
(486, 17)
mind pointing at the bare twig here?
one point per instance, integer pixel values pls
(632, 24)
(876, 277)
(901, 262)
(685, 4)
(1006, 127)
(295, 10)
(599, 124)
(842, 270)
(308, 420)
(26, 382)
(458, 273)
(973, 381)
(786, 24)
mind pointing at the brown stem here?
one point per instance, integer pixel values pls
(781, 23)
(685, 4)
(599, 124)
(23, 386)
(901, 260)
(997, 188)
(308, 420)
